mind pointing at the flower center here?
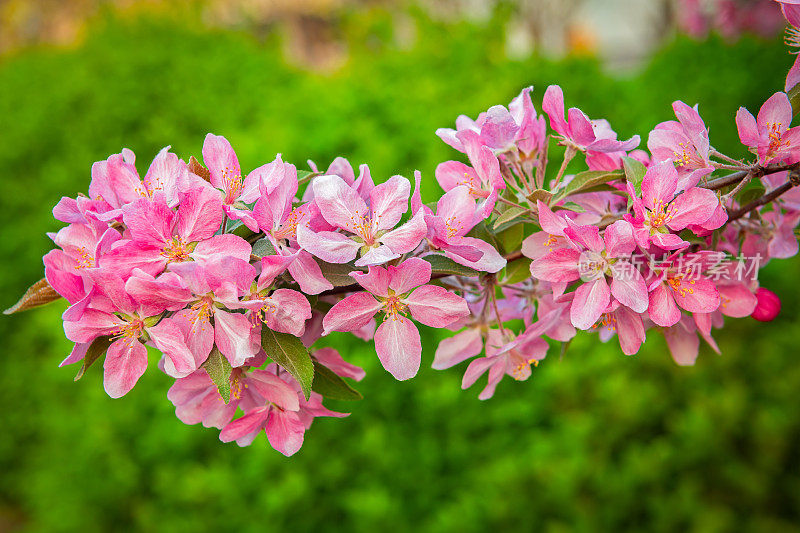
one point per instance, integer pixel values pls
(394, 308)
(232, 181)
(85, 259)
(362, 225)
(453, 226)
(201, 311)
(176, 251)
(131, 330)
(678, 286)
(776, 141)
(659, 216)
(521, 365)
(688, 157)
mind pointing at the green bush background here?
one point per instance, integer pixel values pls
(596, 441)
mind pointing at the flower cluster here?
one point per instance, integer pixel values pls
(237, 279)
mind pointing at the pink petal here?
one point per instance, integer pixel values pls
(339, 203)
(399, 348)
(329, 246)
(199, 214)
(285, 432)
(458, 348)
(558, 265)
(659, 184)
(389, 200)
(126, 361)
(591, 300)
(411, 273)
(694, 206)
(435, 306)
(250, 423)
(233, 337)
(628, 286)
(352, 313)
(169, 338)
(307, 273)
(221, 160)
(662, 308)
(408, 236)
(747, 127)
(376, 280)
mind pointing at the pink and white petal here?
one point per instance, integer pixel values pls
(376, 256)
(150, 221)
(232, 335)
(659, 184)
(291, 312)
(375, 280)
(458, 348)
(169, 338)
(490, 259)
(307, 273)
(662, 307)
(619, 239)
(630, 330)
(126, 361)
(698, 295)
(411, 273)
(388, 202)
(591, 301)
(408, 236)
(199, 214)
(683, 345)
(435, 306)
(330, 358)
(339, 203)
(398, 345)
(736, 300)
(250, 423)
(558, 265)
(747, 127)
(329, 246)
(694, 206)
(352, 313)
(285, 431)
(628, 286)
(476, 369)
(221, 160)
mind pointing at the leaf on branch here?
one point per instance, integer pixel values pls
(794, 99)
(263, 247)
(196, 167)
(441, 264)
(331, 385)
(570, 206)
(512, 214)
(40, 293)
(96, 349)
(634, 173)
(751, 193)
(289, 352)
(511, 238)
(303, 174)
(338, 274)
(517, 271)
(219, 370)
(539, 194)
(587, 181)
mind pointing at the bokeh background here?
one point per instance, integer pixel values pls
(596, 441)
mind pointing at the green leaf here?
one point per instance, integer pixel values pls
(302, 174)
(751, 193)
(289, 352)
(586, 182)
(511, 238)
(238, 228)
(540, 194)
(330, 385)
(794, 98)
(441, 264)
(634, 173)
(510, 214)
(338, 275)
(263, 247)
(93, 353)
(219, 370)
(570, 206)
(517, 271)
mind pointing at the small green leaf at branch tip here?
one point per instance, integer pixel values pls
(441, 264)
(39, 294)
(794, 98)
(509, 215)
(332, 386)
(634, 173)
(751, 193)
(219, 370)
(290, 353)
(516, 271)
(586, 181)
(540, 194)
(93, 353)
(511, 238)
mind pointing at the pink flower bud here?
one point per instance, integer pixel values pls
(768, 306)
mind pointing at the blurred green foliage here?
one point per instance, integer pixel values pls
(597, 441)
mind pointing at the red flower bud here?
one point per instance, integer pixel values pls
(768, 306)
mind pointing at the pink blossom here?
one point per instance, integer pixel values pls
(680, 284)
(578, 130)
(371, 228)
(396, 291)
(770, 136)
(512, 358)
(685, 142)
(226, 175)
(659, 210)
(592, 258)
(448, 228)
(113, 312)
(482, 179)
